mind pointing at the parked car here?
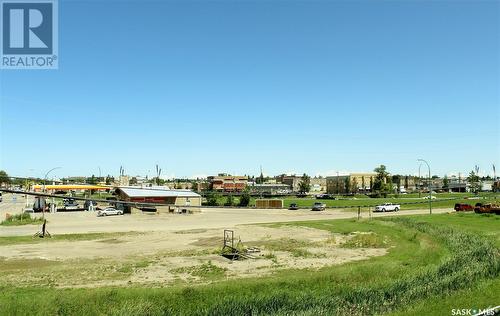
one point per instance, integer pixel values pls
(293, 206)
(109, 211)
(462, 207)
(387, 207)
(70, 203)
(318, 206)
(325, 196)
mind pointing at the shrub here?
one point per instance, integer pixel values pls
(20, 219)
(229, 200)
(245, 199)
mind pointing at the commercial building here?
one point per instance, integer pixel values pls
(292, 181)
(174, 197)
(350, 183)
(228, 183)
(318, 184)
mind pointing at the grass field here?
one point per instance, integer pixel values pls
(434, 263)
(407, 201)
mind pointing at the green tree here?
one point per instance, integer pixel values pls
(305, 184)
(92, 180)
(245, 199)
(354, 186)
(229, 200)
(446, 182)
(133, 181)
(212, 199)
(347, 185)
(4, 177)
(194, 186)
(380, 185)
(109, 180)
(474, 183)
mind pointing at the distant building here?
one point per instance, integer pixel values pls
(228, 183)
(122, 181)
(318, 184)
(292, 181)
(358, 182)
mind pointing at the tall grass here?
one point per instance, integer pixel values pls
(21, 219)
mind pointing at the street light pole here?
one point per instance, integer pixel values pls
(45, 177)
(44, 183)
(429, 184)
(419, 182)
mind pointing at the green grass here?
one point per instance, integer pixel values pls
(407, 201)
(479, 296)
(21, 219)
(443, 200)
(106, 237)
(206, 271)
(444, 256)
(369, 240)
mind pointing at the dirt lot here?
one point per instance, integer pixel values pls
(163, 258)
(165, 249)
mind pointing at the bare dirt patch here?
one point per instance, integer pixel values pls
(165, 258)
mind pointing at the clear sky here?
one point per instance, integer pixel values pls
(202, 87)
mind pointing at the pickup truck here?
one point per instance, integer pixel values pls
(318, 206)
(387, 207)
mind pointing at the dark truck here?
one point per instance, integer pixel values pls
(462, 207)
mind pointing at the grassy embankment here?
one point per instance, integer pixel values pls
(432, 259)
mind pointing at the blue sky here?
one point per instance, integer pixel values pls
(202, 87)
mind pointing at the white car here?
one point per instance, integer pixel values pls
(387, 207)
(109, 211)
(432, 197)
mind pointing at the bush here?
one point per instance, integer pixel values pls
(245, 199)
(20, 219)
(229, 200)
(212, 199)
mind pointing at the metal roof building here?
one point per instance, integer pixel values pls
(175, 197)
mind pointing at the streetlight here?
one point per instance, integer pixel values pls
(44, 181)
(45, 177)
(429, 179)
(419, 181)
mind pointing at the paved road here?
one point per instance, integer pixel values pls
(86, 222)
